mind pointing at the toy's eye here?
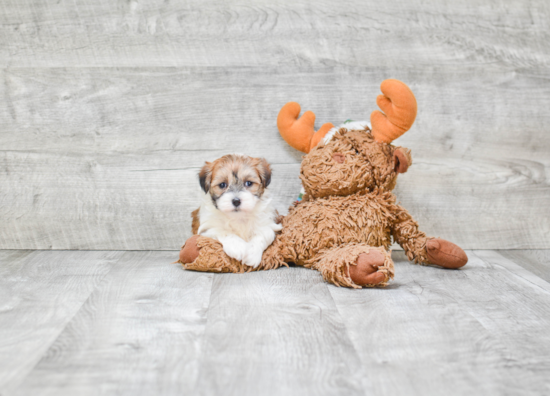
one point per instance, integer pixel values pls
(222, 185)
(248, 183)
(356, 151)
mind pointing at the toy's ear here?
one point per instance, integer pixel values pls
(264, 170)
(402, 159)
(205, 176)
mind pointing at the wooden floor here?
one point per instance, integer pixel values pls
(132, 323)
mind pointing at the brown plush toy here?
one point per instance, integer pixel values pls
(345, 223)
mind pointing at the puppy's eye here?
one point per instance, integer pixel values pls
(248, 183)
(356, 151)
(222, 185)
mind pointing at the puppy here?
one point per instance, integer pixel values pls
(236, 209)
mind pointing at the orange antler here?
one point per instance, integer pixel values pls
(399, 105)
(299, 132)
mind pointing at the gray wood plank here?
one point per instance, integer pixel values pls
(132, 323)
(283, 33)
(497, 259)
(479, 330)
(7, 256)
(139, 333)
(535, 261)
(120, 206)
(104, 158)
(40, 292)
(276, 333)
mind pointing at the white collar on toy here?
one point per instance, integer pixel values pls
(350, 125)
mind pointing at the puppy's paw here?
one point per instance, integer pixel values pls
(234, 247)
(253, 256)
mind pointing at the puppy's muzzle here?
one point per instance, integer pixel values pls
(236, 202)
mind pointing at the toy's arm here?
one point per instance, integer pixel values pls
(421, 249)
(406, 233)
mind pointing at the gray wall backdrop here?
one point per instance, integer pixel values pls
(109, 108)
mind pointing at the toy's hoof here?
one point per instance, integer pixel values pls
(445, 254)
(189, 251)
(365, 272)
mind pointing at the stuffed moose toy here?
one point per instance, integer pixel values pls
(344, 225)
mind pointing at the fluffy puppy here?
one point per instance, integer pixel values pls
(236, 209)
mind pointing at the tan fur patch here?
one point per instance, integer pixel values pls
(195, 221)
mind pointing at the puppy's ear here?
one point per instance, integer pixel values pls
(205, 176)
(265, 172)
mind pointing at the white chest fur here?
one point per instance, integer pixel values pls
(244, 235)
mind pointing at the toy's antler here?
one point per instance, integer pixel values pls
(399, 105)
(299, 132)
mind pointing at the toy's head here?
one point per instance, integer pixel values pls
(343, 161)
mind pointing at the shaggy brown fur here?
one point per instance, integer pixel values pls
(212, 258)
(334, 264)
(195, 221)
(348, 209)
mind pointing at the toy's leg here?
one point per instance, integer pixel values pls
(435, 251)
(354, 265)
(206, 254)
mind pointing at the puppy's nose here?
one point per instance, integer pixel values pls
(236, 202)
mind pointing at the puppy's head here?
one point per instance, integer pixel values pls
(235, 182)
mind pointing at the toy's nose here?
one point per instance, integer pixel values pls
(236, 202)
(339, 157)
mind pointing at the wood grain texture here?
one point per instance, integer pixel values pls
(138, 333)
(481, 329)
(276, 332)
(282, 33)
(108, 109)
(40, 292)
(535, 261)
(132, 323)
(115, 168)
